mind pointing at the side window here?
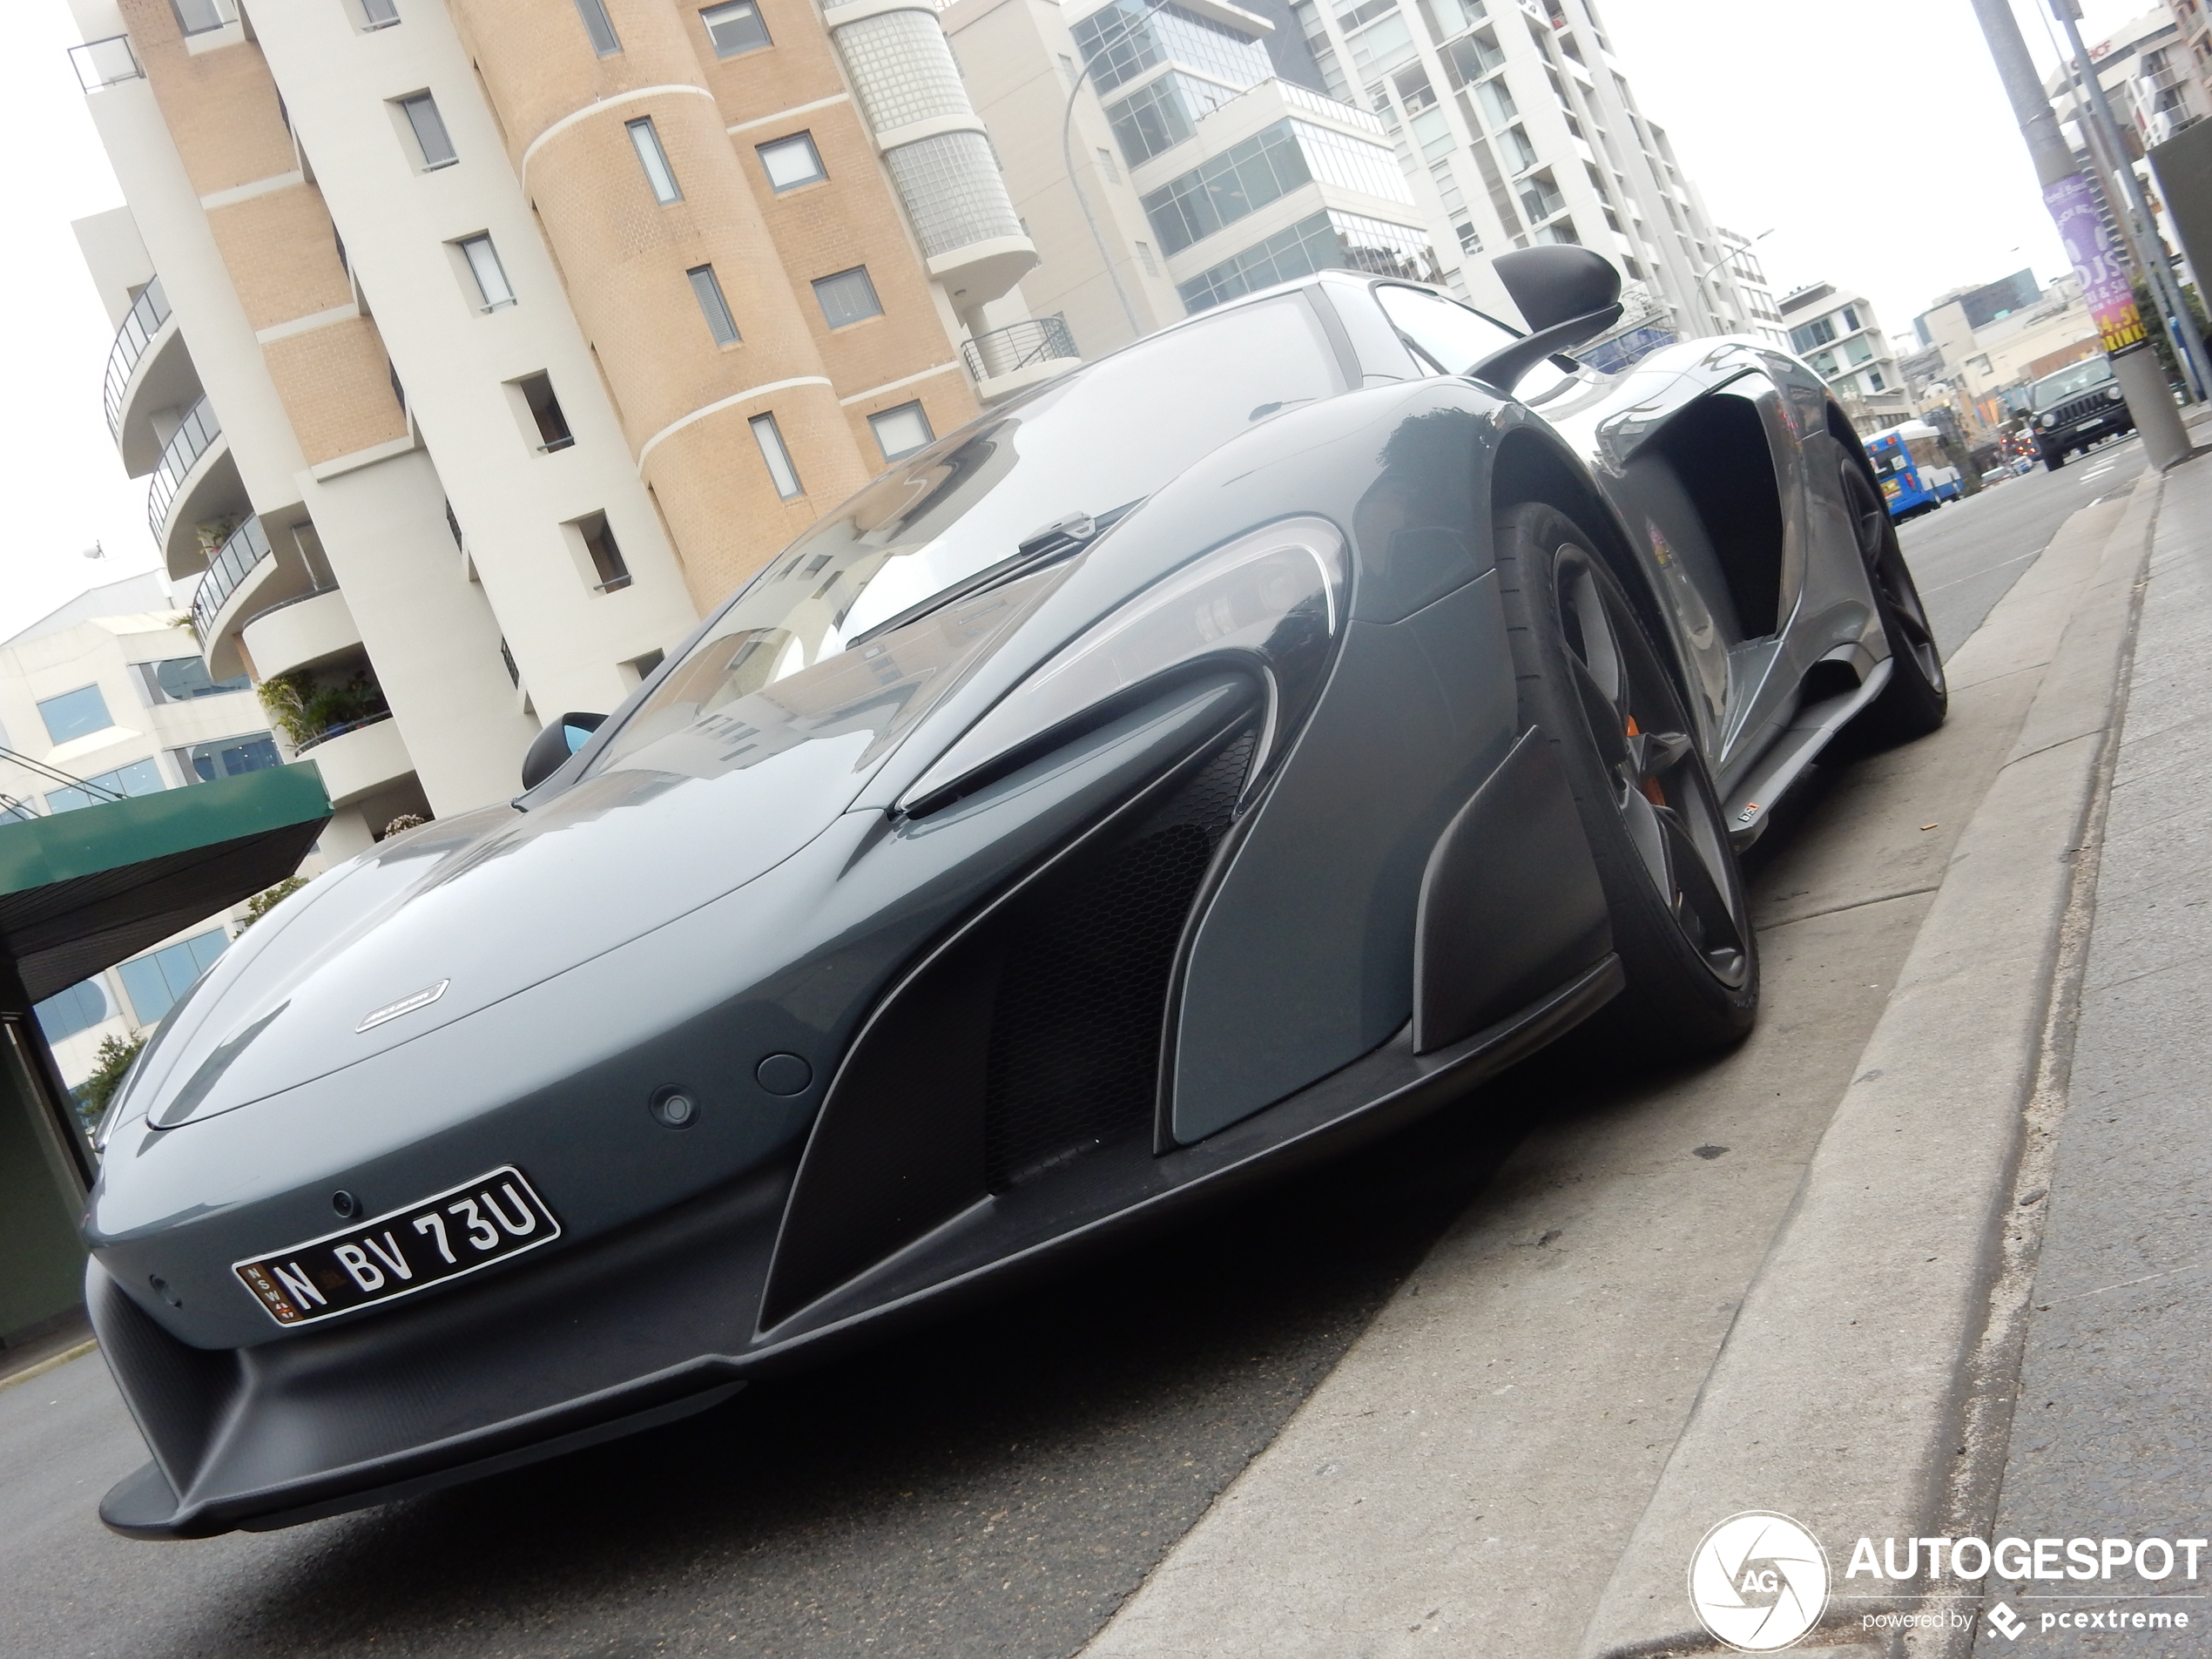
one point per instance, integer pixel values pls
(1456, 337)
(1450, 335)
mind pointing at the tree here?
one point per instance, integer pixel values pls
(268, 899)
(112, 1059)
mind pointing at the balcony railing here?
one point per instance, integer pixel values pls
(102, 63)
(148, 311)
(1019, 345)
(246, 547)
(185, 446)
(341, 729)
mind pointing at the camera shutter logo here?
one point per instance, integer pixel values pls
(1759, 1581)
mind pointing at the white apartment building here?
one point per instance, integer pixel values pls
(1191, 171)
(109, 697)
(1836, 332)
(1203, 168)
(1992, 340)
(2189, 58)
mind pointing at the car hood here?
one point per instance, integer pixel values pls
(471, 910)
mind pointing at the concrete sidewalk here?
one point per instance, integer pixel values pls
(2112, 1433)
(1608, 1357)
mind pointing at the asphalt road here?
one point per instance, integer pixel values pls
(1966, 556)
(996, 1486)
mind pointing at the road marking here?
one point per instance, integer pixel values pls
(52, 1363)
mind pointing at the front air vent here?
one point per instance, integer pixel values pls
(1030, 1038)
(1088, 953)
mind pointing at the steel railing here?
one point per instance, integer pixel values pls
(246, 547)
(341, 729)
(1017, 346)
(148, 311)
(198, 430)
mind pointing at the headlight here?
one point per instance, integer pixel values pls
(2113, 392)
(2048, 419)
(1273, 599)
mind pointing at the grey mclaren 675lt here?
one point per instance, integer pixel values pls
(1223, 752)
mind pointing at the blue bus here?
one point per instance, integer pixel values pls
(1908, 459)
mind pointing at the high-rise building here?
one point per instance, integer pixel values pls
(474, 347)
(1836, 332)
(1522, 117)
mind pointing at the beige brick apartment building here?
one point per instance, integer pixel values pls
(472, 348)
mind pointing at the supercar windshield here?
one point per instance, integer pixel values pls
(2070, 380)
(905, 573)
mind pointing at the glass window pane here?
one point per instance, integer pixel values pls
(645, 139)
(78, 1008)
(231, 757)
(712, 305)
(75, 714)
(599, 26)
(197, 17)
(900, 431)
(847, 297)
(429, 130)
(792, 162)
(380, 14)
(491, 276)
(779, 459)
(736, 28)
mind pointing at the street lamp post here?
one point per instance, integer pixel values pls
(2134, 365)
(1068, 159)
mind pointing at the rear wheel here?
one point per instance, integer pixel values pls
(1590, 679)
(1915, 702)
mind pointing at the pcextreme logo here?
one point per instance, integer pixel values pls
(1758, 1582)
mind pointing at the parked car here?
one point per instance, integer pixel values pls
(2078, 406)
(1215, 757)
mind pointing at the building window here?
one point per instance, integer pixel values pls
(771, 440)
(545, 410)
(605, 554)
(139, 778)
(712, 305)
(642, 667)
(180, 679)
(198, 17)
(599, 26)
(1874, 382)
(155, 980)
(792, 162)
(645, 138)
(75, 714)
(1803, 339)
(80, 1008)
(378, 14)
(227, 757)
(735, 28)
(847, 297)
(491, 276)
(1106, 165)
(1851, 319)
(900, 431)
(1470, 237)
(1144, 258)
(429, 129)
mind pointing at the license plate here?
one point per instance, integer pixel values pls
(467, 1227)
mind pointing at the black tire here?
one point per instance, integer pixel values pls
(1915, 701)
(2054, 459)
(1590, 680)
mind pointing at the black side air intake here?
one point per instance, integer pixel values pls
(1082, 1003)
(1030, 1038)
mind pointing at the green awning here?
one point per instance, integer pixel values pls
(81, 891)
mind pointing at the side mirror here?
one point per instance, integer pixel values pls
(1567, 294)
(550, 749)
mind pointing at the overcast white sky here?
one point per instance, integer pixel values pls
(1869, 135)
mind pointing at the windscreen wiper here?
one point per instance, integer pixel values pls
(1053, 541)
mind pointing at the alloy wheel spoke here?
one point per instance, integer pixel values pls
(1698, 894)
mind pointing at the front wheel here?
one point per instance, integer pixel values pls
(1592, 683)
(1915, 701)
(2054, 459)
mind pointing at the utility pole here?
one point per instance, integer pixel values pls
(2133, 209)
(2105, 284)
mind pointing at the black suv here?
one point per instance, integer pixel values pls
(2075, 407)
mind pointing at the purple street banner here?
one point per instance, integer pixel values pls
(2105, 287)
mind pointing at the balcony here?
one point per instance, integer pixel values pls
(252, 575)
(1022, 354)
(195, 483)
(305, 632)
(359, 759)
(147, 315)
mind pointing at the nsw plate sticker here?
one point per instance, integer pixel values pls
(469, 1227)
